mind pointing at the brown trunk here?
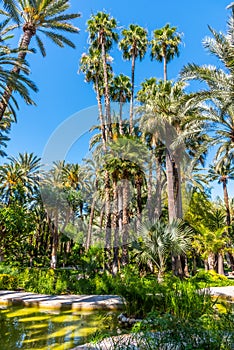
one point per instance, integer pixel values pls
(125, 236)
(158, 204)
(132, 95)
(121, 131)
(107, 221)
(211, 261)
(164, 67)
(226, 201)
(177, 190)
(29, 31)
(138, 184)
(107, 94)
(220, 264)
(91, 217)
(149, 191)
(115, 229)
(170, 187)
(101, 117)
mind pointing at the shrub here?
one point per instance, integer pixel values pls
(8, 282)
(210, 278)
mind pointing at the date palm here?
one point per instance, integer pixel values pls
(20, 178)
(19, 82)
(134, 45)
(34, 17)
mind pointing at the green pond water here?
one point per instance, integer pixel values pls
(33, 328)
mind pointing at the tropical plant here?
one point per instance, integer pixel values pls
(47, 17)
(102, 34)
(157, 241)
(134, 45)
(120, 91)
(164, 46)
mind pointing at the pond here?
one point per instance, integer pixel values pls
(33, 328)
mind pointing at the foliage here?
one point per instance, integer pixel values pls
(8, 282)
(172, 332)
(210, 278)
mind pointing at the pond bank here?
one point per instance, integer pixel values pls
(61, 302)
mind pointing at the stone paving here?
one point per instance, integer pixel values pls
(225, 292)
(74, 302)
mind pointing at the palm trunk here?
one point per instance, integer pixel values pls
(116, 229)
(132, 95)
(101, 118)
(226, 201)
(158, 204)
(125, 236)
(107, 94)
(164, 67)
(120, 117)
(211, 261)
(220, 264)
(29, 31)
(107, 250)
(89, 234)
(138, 184)
(149, 191)
(177, 190)
(170, 187)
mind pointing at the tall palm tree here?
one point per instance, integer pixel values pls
(165, 46)
(102, 34)
(120, 91)
(20, 177)
(223, 171)
(91, 65)
(134, 45)
(220, 85)
(19, 82)
(163, 115)
(150, 135)
(47, 17)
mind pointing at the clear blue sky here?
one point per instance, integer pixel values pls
(63, 92)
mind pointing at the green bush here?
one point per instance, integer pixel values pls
(8, 282)
(171, 332)
(210, 278)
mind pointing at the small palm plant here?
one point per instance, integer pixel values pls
(159, 240)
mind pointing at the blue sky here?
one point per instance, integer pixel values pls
(63, 92)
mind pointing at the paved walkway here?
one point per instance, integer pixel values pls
(74, 302)
(225, 292)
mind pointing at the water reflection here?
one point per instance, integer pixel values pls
(32, 328)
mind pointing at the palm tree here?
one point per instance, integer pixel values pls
(101, 28)
(20, 178)
(150, 135)
(19, 82)
(164, 46)
(134, 45)
(223, 171)
(218, 116)
(120, 91)
(162, 116)
(157, 241)
(47, 17)
(91, 66)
